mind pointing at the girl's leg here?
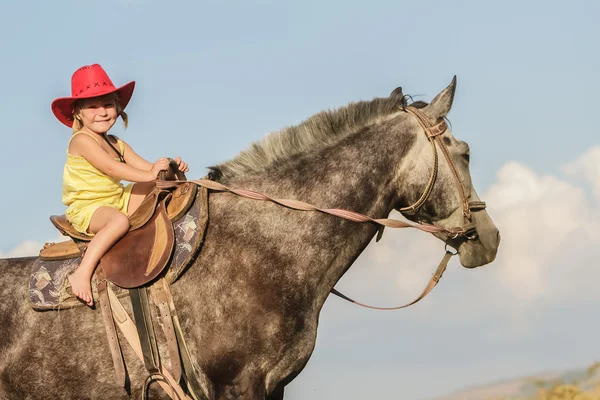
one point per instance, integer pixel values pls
(138, 193)
(108, 225)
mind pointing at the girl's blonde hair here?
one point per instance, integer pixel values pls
(78, 124)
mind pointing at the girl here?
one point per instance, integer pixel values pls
(97, 202)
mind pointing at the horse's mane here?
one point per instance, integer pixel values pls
(322, 129)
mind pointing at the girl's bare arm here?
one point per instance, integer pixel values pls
(87, 147)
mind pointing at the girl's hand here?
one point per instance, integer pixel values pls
(181, 165)
(162, 164)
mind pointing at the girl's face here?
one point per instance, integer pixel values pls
(99, 114)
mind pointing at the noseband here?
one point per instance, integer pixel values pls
(434, 135)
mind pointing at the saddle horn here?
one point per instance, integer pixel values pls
(173, 172)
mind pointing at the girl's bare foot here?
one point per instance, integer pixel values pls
(81, 286)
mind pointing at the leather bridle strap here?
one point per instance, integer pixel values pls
(302, 206)
(433, 133)
(430, 285)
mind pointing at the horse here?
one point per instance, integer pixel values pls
(249, 304)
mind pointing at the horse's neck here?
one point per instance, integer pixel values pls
(269, 248)
(357, 174)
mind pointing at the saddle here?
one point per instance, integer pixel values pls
(144, 251)
(166, 230)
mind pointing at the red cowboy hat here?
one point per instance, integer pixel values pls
(89, 81)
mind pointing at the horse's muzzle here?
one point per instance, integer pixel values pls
(479, 251)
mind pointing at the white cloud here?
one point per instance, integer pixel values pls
(24, 249)
(28, 248)
(549, 227)
(587, 167)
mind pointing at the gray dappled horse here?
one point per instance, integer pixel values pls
(250, 303)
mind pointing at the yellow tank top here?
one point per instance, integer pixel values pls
(82, 182)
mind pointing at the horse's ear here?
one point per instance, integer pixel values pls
(397, 92)
(441, 105)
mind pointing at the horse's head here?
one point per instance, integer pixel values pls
(436, 186)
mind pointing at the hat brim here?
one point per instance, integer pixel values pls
(63, 106)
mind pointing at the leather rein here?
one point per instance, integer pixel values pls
(466, 231)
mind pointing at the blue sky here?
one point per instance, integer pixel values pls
(212, 77)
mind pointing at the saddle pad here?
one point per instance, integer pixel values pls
(49, 288)
(190, 230)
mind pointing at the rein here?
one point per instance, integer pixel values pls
(302, 206)
(466, 231)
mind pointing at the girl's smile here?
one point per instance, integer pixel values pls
(99, 114)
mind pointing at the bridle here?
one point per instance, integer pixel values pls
(466, 232)
(434, 136)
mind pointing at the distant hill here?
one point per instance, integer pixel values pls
(585, 379)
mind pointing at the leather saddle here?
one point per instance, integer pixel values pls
(144, 252)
